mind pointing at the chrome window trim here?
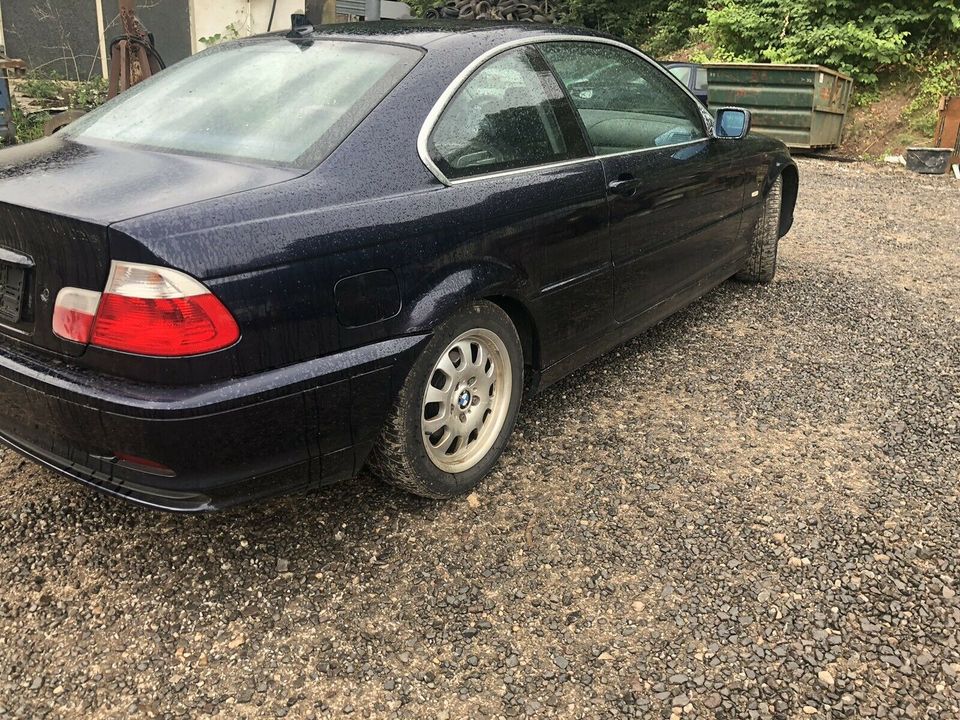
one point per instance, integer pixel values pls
(437, 110)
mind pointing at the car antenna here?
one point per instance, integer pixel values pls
(300, 26)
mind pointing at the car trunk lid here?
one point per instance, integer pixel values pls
(57, 199)
(39, 254)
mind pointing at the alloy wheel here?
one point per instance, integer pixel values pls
(466, 401)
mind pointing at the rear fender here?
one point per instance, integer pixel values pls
(458, 285)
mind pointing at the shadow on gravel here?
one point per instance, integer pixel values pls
(347, 508)
(352, 512)
(346, 501)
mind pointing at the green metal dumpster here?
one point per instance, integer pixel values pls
(805, 106)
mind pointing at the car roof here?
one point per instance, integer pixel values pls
(427, 34)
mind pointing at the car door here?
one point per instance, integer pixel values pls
(523, 186)
(675, 193)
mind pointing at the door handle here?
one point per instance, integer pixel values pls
(625, 186)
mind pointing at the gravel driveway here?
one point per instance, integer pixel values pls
(751, 511)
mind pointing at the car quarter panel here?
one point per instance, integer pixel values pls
(550, 228)
(539, 237)
(372, 205)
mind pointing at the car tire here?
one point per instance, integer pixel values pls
(761, 264)
(457, 407)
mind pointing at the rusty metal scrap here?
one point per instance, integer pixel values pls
(948, 126)
(132, 57)
(493, 10)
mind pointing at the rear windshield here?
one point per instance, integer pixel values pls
(277, 101)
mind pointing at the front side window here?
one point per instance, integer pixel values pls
(624, 101)
(279, 101)
(510, 114)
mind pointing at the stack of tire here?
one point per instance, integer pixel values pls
(511, 10)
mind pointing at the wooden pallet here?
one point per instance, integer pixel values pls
(13, 68)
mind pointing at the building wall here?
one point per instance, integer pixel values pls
(169, 21)
(247, 17)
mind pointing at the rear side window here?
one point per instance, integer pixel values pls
(278, 101)
(682, 73)
(509, 114)
(624, 101)
(701, 82)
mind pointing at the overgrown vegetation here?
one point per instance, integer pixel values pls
(859, 37)
(863, 38)
(40, 86)
(940, 77)
(659, 26)
(29, 125)
(40, 94)
(88, 95)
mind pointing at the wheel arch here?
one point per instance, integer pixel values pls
(495, 282)
(791, 188)
(525, 324)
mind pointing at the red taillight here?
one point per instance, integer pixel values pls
(149, 310)
(164, 326)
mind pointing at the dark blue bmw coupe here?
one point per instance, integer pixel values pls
(297, 254)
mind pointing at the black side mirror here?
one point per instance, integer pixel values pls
(732, 123)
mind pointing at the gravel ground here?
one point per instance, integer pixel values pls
(751, 511)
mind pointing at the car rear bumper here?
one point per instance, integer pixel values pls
(208, 446)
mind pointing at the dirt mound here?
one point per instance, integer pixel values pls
(881, 128)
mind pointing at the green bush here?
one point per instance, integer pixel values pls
(856, 37)
(41, 86)
(940, 76)
(29, 127)
(659, 26)
(88, 95)
(48, 91)
(51, 91)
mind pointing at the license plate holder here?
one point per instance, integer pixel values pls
(12, 281)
